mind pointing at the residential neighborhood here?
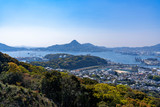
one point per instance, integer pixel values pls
(132, 76)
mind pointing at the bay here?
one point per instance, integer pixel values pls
(112, 56)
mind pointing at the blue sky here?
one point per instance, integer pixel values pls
(110, 23)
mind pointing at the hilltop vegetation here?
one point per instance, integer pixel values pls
(70, 61)
(19, 84)
(12, 96)
(22, 84)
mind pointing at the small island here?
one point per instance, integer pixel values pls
(67, 61)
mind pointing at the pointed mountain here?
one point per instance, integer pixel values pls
(75, 46)
(74, 42)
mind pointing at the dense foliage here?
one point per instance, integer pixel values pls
(71, 62)
(26, 85)
(16, 96)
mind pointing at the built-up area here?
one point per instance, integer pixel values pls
(131, 75)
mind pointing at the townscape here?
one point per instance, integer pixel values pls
(115, 75)
(134, 76)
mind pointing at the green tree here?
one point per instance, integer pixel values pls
(51, 85)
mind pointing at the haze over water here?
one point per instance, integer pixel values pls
(112, 56)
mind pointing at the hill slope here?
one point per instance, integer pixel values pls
(25, 85)
(14, 96)
(4, 47)
(71, 62)
(17, 87)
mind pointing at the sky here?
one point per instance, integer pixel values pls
(110, 23)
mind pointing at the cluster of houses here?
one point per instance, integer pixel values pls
(133, 76)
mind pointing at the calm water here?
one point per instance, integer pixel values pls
(115, 57)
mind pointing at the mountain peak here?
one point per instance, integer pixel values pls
(74, 42)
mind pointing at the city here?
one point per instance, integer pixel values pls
(130, 75)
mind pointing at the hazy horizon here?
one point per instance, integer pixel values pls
(25, 46)
(109, 23)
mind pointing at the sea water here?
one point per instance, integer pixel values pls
(109, 55)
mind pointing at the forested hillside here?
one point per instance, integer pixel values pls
(23, 85)
(70, 62)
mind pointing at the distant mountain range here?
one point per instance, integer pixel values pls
(4, 47)
(75, 46)
(145, 48)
